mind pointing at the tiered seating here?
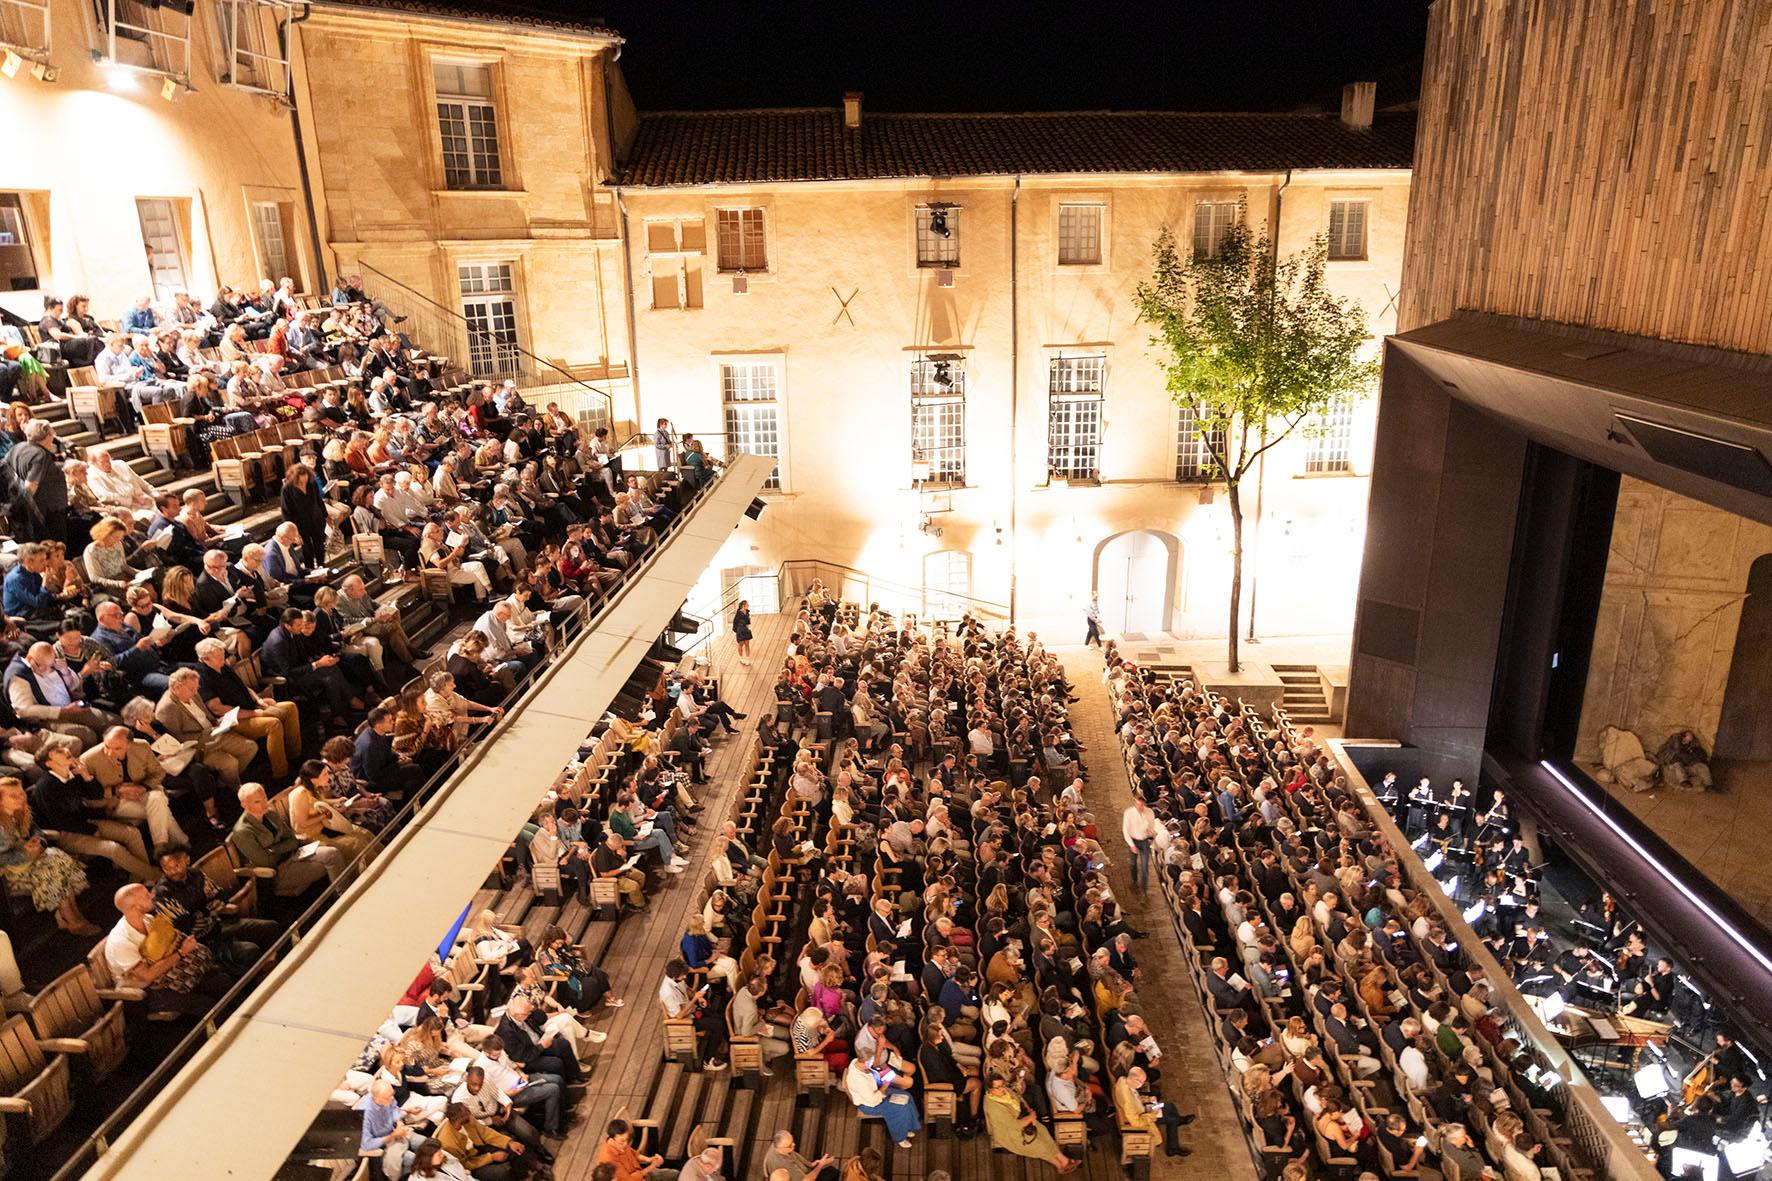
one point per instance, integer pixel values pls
(84, 1014)
(1212, 861)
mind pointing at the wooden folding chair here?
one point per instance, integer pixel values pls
(163, 435)
(33, 1088)
(71, 1017)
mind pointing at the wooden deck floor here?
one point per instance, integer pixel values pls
(628, 1071)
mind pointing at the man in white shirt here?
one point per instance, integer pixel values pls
(492, 1107)
(183, 979)
(522, 1091)
(1139, 827)
(515, 657)
(1413, 1064)
(119, 484)
(400, 511)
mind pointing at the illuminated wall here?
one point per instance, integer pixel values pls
(844, 377)
(87, 147)
(369, 82)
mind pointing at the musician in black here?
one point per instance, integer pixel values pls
(1459, 805)
(1596, 982)
(1654, 992)
(1572, 964)
(1730, 1061)
(1497, 816)
(1738, 1112)
(1421, 804)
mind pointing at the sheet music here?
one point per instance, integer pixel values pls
(1603, 1027)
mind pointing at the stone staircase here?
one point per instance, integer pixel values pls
(1303, 694)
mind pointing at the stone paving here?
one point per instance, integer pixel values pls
(1192, 1078)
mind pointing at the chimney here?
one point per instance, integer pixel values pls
(1356, 105)
(852, 110)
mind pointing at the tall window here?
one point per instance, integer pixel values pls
(742, 247)
(1079, 235)
(162, 239)
(469, 125)
(267, 223)
(1197, 450)
(488, 302)
(674, 255)
(1332, 439)
(947, 583)
(938, 235)
(748, 389)
(18, 261)
(247, 47)
(1073, 427)
(1347, 229)
(938, 419)
(1211, 220)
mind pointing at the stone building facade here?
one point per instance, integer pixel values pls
(979, 412)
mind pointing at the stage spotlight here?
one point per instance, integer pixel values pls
(944, 374)
(44, 72)
(756, 508)
(12, 64)
(938, 221)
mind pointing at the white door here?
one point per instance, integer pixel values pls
(160, 240)
(1132, 578)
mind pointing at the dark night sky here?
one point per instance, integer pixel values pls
(996, 55)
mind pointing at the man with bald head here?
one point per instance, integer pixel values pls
(145, 951)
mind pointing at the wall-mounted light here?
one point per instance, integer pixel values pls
(11, 64)
(44, 72)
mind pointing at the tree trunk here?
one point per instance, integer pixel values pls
(1236, 568)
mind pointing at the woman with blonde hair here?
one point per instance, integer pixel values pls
(409, 1081)
(1304, 937)
(1295, 1039)
(31, 865)
(107, 566)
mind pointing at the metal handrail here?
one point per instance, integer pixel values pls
(97, 1143)
(455, 314)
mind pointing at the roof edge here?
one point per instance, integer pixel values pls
(423, 9)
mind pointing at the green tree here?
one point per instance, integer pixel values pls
(1257, 346)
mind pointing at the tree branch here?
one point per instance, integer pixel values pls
(1290, 427)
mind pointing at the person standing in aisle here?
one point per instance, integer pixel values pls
(1092, 613)
(1139, 826)
(741, 631)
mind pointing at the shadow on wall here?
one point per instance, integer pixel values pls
(1745, 729)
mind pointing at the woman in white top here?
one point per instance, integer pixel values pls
(435, 553)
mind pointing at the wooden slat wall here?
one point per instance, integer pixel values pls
(1597, 162)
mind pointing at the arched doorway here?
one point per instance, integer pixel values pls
(1135, 575)
(1745, 730)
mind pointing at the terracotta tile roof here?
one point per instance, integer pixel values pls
(725, 147)
(502, 11)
